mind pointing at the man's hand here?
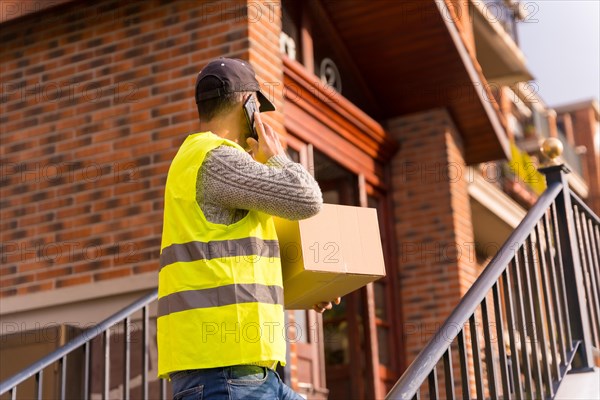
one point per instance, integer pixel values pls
(268, 144)
(326, 305)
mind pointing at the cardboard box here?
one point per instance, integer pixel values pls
(329, 255)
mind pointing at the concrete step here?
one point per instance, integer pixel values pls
(581, 386)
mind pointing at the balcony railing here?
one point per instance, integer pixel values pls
(570, 155)
(531, 130)
(504, 14)
(536, 128)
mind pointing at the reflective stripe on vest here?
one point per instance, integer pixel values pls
(194, 251)
(220, 287)
(219, 296)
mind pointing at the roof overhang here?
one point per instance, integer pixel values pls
(413, 59)
(579, 105)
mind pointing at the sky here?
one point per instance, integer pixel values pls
(561, 42)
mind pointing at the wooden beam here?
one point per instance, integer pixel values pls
(306, 40)
(372, 343)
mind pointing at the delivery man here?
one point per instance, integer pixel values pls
(220, 321)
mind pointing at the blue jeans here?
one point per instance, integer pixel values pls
(231, 383)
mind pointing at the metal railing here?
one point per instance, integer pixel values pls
(540, 121)
(525, 321)
(499, 11)
(83, 343)
(572, 159)
(532, 315)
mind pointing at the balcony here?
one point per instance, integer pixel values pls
(496, 44)
(530, 122)
(570, 155)
(524, 168)
(529, 143)
(504, 14)
(529, 132)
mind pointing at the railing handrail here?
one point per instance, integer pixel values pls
(422, 365)
(77, 342)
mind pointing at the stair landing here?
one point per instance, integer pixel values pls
(582, 386)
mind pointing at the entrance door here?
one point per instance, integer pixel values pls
(339, 333)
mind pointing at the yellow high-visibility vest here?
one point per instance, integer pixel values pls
(220, 290)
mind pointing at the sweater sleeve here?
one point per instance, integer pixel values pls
(234, 180)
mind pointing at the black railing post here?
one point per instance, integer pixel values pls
(575, 291)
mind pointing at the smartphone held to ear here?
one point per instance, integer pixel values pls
(249, 109)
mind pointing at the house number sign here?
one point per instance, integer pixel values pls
(330, 74)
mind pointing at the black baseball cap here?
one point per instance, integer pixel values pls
(229, 75)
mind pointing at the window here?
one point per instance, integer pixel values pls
(310, 38)
(289, 41)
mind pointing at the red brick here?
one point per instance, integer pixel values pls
(38, 287)
(16, 280)
(112, 274)
(122, 120)
(53, 272)
(430, 226)
(73, 280)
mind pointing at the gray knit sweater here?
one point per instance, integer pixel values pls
(231, 182)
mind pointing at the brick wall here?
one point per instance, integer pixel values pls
(96, 98)
(436, 252)
(264, 28)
